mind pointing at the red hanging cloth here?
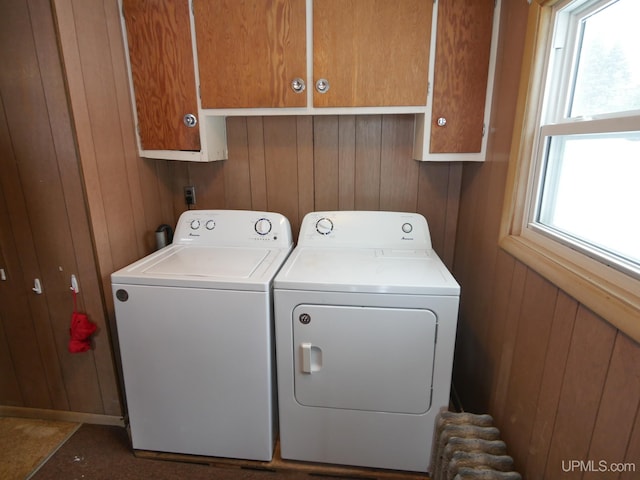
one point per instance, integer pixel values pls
(81, 330)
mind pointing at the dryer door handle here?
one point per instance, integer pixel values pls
(311, 358)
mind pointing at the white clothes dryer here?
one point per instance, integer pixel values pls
(365, 316)
(195, 329)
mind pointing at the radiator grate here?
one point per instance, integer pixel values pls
(468, 447)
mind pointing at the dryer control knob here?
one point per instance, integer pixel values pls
(211, 224)
(263, 226)
(407, 228)
(195, 224)
(324, 226)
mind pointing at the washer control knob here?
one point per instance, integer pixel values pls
(263, 226)
(211, 224)
(324, 226)
(407, 227)
(195, 224)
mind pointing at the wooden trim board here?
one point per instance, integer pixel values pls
(278, 464)
(61, 415)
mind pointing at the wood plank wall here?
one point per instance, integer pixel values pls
(562, 383)
(44, 230)
(295, 165)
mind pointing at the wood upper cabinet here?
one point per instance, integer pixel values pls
(162, 67)
(463, 44)
(371, 52)
(250, 52)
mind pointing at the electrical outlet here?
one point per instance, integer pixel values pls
(190, 195)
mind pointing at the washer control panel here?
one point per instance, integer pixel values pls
(365, 229)
(232, 228)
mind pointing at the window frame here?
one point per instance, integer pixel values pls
(609, 292)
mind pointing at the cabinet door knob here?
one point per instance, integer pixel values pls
(442, 122)
(298, 85)
(190, 120)
(322, 85)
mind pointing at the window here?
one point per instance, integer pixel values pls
(574, 213)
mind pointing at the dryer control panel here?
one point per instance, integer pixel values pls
(365, 229)
(232, 228)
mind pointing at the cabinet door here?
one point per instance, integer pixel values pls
(371, 52)
(159, 38)
(463, 43)
(250, 51)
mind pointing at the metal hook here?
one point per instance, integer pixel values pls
(74, 284)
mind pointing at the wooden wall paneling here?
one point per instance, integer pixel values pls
(281, 163)
(398, 170)
(76, 83)
(484, 183)
(304, 130)
(433, 188)
(482, 192)
(113, 192)
(467, 240)
(9, 387)
(326, 162)
(633, 450)
(45, 206)
(209, 180)
(180, 177)
(45, 202)
(453, 207)
(31, 186)
(84, 268)
(33, 377)
(106, 161)
(346, 161)
(438, 200)
(160, 174)
(507, 346)
(477, 256)
(555, 360)
(257, 166)
(619, 403)
(489, 352)
(237, 176)
(585, 375)
(368, 155)
(157, 200)
(527, 367)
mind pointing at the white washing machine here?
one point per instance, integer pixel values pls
(195, 327)
(365, 316)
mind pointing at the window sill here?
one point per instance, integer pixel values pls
(614, 301)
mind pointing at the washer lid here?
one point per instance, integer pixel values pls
(209, 262)
(205, 267)
(402, 271)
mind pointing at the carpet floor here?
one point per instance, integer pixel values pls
(26, 443)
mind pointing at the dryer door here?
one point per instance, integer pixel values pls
(364, 358)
